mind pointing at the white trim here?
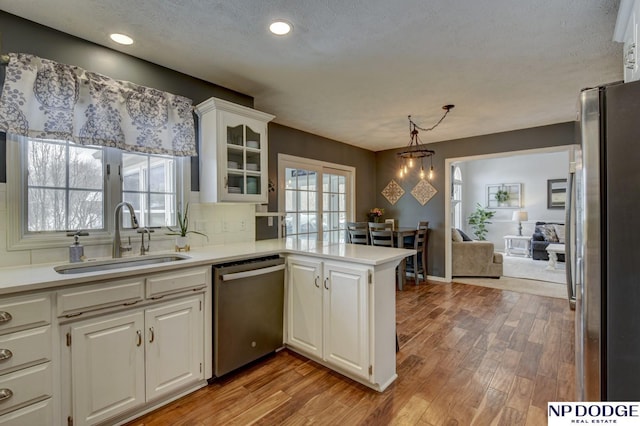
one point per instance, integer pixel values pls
(448, 162)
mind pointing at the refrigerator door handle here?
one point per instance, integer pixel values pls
(569, 216)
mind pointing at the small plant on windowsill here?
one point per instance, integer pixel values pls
(182, 231)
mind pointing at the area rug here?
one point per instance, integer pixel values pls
(525, 267)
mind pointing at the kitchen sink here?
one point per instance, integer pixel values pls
(107, 265)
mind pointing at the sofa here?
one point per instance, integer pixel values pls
(544, 234)
(475, 259)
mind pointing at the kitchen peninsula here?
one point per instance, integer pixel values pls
(111, 345)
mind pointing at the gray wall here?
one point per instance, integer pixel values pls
(408, 211)
(19, 35)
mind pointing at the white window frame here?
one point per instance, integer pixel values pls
(18, 239)
(456, 202)
(290, 161)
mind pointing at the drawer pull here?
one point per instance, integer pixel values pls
(139, 338)
(5, 394)
(5, 316)
(130, 303)
(153, 335)
(5, 354)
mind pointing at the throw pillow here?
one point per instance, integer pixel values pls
(464, 236)
(549, 232)
(559, 232)
(455, 235)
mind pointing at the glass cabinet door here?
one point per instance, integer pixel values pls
(244, 160)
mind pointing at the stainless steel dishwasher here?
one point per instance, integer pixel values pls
(248, 304)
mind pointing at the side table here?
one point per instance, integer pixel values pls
(509, 248)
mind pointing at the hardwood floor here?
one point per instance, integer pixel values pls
(468, 355)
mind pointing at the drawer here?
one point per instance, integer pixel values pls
(185, 280)
(24, 348)
(40, 414)
(24, 312)
(74, 301)
(25, 386)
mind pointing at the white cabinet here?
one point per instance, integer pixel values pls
(304, 305)
(346, 317)
(107, 370)
(626, 32)
(233, 152)
(328, 313)
(123, 361)
(26, 360)
(174, 346)
(136, 350)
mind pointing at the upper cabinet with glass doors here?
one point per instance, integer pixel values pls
(233, 152)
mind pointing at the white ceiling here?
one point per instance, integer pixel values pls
(353, 70)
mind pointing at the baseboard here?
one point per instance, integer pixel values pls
(438, 279)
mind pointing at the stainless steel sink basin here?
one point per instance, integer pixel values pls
(106, 265)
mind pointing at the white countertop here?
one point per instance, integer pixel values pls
(42, 276)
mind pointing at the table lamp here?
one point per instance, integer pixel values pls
(520, 217)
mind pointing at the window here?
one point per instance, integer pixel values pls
(56, 186)
(317, 198)
(456, 197)
(65, 186)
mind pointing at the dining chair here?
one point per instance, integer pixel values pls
(358, 232)
(382, 237)
(417, 264)
(377, 226)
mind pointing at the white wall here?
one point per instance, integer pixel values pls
(222, 223)
(532, 171)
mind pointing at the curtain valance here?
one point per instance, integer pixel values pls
(46, 99)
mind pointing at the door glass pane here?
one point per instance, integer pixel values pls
(315, 205)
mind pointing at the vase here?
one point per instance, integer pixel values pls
(374, 218)
(182, 243)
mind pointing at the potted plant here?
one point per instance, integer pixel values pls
(502, 196)
(479, 220)
(182, 231)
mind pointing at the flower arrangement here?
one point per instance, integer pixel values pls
(377, 212)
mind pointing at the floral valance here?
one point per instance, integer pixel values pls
(44, 99)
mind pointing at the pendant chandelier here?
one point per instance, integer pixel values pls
(416, 150)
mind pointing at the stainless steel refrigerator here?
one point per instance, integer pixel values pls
(604, 248)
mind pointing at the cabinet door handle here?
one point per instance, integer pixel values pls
(5, 316)
(326, 283)
(5, 354)
(139, 338)
(316, 282)
(5, 394)
(152, 336)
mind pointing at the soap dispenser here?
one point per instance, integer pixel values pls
(76, 250)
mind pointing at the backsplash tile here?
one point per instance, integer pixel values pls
(222, 223)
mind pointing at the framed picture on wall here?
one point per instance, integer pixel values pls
(504, 196)
(556, 193)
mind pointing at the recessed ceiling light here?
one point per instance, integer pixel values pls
(121, 39)
(280, 27)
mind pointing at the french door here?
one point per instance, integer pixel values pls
(316, 197)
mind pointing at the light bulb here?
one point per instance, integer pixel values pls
(405, 169)
(410, 162)
(401, 174)
(431, 173)
(421, 172)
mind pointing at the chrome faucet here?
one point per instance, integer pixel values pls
(145, 230)
(117, 243)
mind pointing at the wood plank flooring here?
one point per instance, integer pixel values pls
(468, 355)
